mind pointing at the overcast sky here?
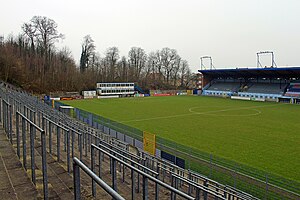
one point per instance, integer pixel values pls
(231, 31)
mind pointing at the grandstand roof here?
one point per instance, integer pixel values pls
(286, 72)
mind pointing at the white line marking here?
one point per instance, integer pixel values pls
(206, 113)
(211, 113)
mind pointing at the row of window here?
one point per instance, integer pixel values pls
(243, 95)
(100, 85)
(256, 96)
(114, 91)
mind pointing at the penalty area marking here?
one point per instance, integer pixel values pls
(212, 113)
(215, 112)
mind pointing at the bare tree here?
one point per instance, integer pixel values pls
(44, 31)
(156, 63)
(137, 60)
(111, 58)
(168, 60)
(175, 72)
(123, 69)
(183, 72)
(30, 31)
(87, 53)
(1, 40)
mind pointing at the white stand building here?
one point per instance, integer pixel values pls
(115, 89)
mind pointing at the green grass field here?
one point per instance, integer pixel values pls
(262, 135)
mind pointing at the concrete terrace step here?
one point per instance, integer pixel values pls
(60, 184)
(14, 182)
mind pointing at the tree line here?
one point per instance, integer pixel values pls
(32, 61)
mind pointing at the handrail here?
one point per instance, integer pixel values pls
(134, 162)
(30, 122)
(144, 174)
(43, 143)
(208, 190)
(55, 123)
(76, 164)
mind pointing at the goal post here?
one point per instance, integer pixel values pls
(149, 142)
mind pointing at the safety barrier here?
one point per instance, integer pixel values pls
(76, 175)
(162, 173)
(32, 130)
(134, 170)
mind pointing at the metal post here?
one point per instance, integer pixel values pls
(100, 163)
(114, 174)
(217, 190)
(32, 154)
(2, 113)
(132, 183)
(123, 172)
(24, 142)
(65, 140)
(50, 137)
(85, 143)
(89, 141)
(80, 147)
(68, 150)
(190, 189)
(39, 118)
(173, 197)
(18, 134)
(5, 117)
(93, 170)
(73, 140)
(156, 185)
(10, 123)
(76, 177)
(206, 186)
(58, 143)
(198, 193)
(145, 188)
(44, 165)
(138, 181)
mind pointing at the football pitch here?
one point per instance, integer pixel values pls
(262, 135)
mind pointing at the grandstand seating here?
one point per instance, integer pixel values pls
(293, 90)
(221, 88)
(262, 89)
(267, 88)
(225, 86)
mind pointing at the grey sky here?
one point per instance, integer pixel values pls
(231, 31)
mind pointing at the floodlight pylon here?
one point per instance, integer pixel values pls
(262, 53)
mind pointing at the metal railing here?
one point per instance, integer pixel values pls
(145, 176)
(7, 118)
(66, 133)
(32, 132)
(191, 178)
(77, 164)
(53, 121)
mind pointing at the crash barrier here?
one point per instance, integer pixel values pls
(77, 136)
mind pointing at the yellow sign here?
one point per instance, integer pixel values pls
(149, 141)
(189, 92)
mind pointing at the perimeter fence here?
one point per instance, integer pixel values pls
(236, 175)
